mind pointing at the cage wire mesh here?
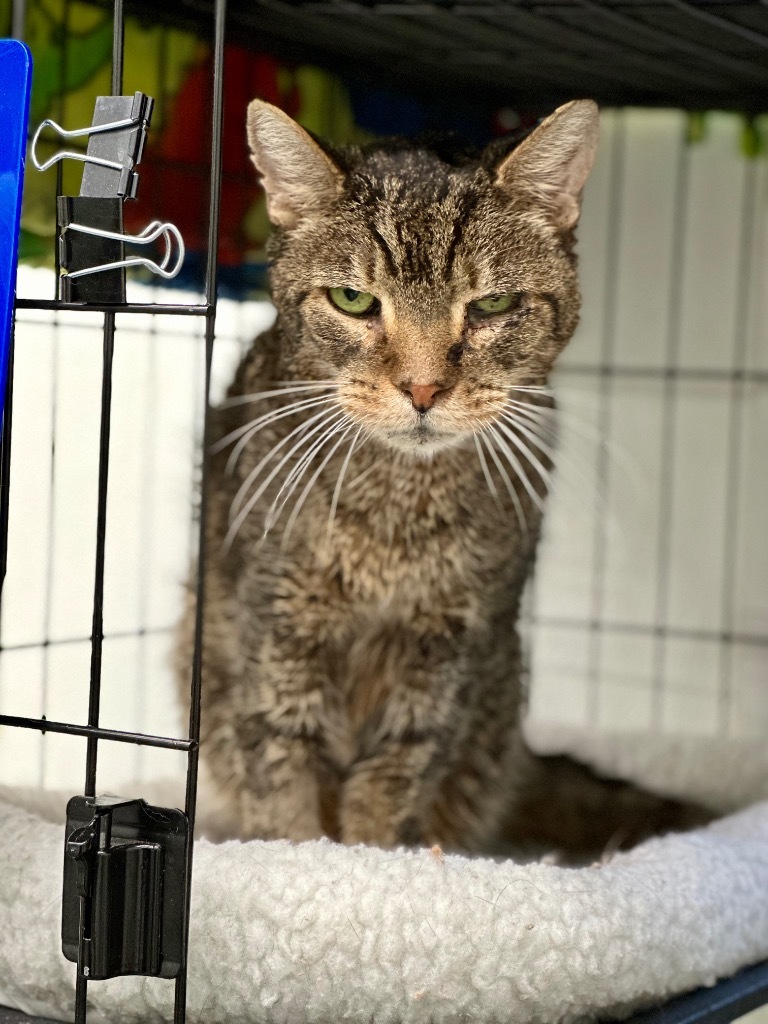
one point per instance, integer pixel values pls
(94, 562)
(648, 608)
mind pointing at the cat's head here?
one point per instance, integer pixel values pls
(427, 287)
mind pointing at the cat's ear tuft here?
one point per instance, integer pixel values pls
(552, 164)
(298, 176)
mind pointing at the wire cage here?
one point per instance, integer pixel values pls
(650, 591)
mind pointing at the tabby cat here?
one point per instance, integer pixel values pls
(377, 482)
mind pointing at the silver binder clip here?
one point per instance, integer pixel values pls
(115, 144)
(156, 229)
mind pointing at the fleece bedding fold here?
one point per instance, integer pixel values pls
(320, 933)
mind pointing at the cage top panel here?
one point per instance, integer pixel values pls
(694, 54)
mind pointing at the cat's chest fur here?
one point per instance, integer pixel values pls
(409, 565)
(402, 537)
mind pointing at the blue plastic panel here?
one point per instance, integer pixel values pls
(15, 82)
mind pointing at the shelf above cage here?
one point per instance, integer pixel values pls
(680, 53)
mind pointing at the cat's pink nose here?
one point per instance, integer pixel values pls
(423, 396)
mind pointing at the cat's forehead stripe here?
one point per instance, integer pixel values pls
(418, 237)
(384, 249)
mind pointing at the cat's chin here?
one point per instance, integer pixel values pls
(422, 443)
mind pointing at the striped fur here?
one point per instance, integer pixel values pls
(363, 677)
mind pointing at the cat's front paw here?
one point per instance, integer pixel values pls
(375, 822)
(381, 834)
(268, 819)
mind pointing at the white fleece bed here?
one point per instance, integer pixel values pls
(319, 934)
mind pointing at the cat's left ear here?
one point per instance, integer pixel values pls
(552, 164)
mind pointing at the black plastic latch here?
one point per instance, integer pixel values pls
(124, 888)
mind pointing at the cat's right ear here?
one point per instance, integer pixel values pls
(299, 178)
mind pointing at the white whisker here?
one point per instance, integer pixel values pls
(507, 483)
(517, 466)
(278, 414)
(337, 491)
(305, 493)
(535, 461)
(534, 415)
(302, 428)
(528, 430)
(239, 519)
(247, 430)
(577, 425)
(283, 388)
(534, 389)
(486, 471)
(355, 481)
(577, 464)
(296, 473)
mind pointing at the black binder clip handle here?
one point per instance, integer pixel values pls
(115, 145)
(156, 229)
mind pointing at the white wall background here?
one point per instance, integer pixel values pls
(650, 607)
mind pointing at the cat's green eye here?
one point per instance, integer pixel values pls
(495, 303)
(351, 301)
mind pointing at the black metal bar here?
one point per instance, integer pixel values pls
(727, 1001)
(722, 24)
(684, 44)
(704, 374)
(96, 732)
(749, 215)
(81, 998)
(642, 68)
(19, 19)
(118, 43)
(641, 629)
(61, 106)
(603, 464)
(668, 421)
(59, 641)
(129, 307)
(568, 44)
(97, 634)
(212, 255)
(50, 540)
(211, 284)
(621, 54)
(146, 504)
